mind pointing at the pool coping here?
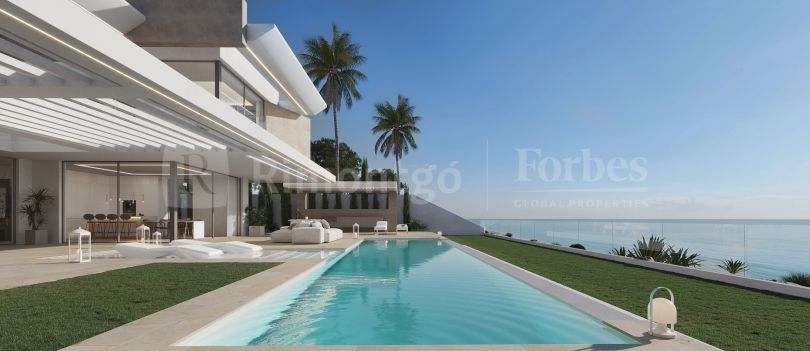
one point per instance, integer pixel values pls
(162, 329)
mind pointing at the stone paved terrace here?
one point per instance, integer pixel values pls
(28, 264)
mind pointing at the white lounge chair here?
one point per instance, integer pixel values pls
(228, 247)
(381, 226)
(196, 252)
(144, 251)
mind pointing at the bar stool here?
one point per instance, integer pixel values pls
(185, 229)
(101, 225)
(126, 224)
(113, 224)
(87, 218)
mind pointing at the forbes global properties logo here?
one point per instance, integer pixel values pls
(533, 166)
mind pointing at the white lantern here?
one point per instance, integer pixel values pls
(79, 235)
(142, 233)
(662, 314)
(356, 230)
(157, 236)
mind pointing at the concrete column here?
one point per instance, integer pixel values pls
(171, 193)
(391, 211)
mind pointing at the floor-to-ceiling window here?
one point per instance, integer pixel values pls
(221, 82)
(143, 198)
(90, 198)
(6, 200)
(111, 199)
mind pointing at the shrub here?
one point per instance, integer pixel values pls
(577, 246)
(620, 251)
(802, 279)
(509, 234)
(681, 257)
(656, 248)
(255, 216)
(416, 225)
(733, 266)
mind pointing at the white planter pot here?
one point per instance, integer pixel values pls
(36, 237)
(256, 230)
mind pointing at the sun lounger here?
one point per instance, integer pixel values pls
(144, 251)
(228, 247)
(196, 251)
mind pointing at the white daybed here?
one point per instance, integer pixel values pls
(197, 252)
(143, 251)
(228, 247)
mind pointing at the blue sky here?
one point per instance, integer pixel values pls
(712, 96)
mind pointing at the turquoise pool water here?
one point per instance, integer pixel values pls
(407, 292)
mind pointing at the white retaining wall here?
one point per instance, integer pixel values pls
(752, 283)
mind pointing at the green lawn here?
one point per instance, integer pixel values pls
(725, 316)
(54, 315)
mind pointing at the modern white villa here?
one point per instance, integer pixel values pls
(153, 134)
(128, 116)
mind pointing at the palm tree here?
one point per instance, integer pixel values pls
(397, 125)
(332, 65)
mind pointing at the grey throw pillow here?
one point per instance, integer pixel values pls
(325, 224)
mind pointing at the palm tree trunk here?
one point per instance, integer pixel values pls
(337, 145)
(396, 157)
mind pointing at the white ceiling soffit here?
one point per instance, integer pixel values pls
(117, 13)
(267, 45)
(85, 38)
(98, 123)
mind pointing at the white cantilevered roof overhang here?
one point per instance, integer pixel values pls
(79, 37)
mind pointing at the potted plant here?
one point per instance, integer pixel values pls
(34, 207)
(256, 221)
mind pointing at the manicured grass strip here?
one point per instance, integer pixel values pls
(54, 315)
(725, 316)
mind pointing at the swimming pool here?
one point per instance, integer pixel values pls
(406, 292)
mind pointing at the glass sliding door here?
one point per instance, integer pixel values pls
(91, 198)
(6, 201)
(111, 199)
(143, 198)
(195, 215)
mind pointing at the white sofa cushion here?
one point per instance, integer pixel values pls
(283, 235)
(307, 235)
(332, 234)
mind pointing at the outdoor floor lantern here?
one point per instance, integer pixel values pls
(662, 314)
(80, 235)
(142, 233)
(356, 230)
(157, 238)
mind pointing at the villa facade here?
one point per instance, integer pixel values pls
(164, 113)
